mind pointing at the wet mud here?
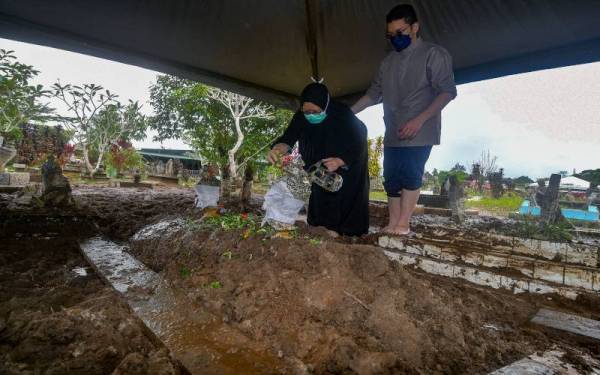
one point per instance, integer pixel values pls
(314, 304)
(345, 308)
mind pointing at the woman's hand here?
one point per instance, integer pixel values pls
(276, 152)
(332, 164)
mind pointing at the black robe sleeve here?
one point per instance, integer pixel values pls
(292, 132)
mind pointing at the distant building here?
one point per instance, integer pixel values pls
(171, 163)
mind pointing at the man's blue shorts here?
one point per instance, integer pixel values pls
(403, 168)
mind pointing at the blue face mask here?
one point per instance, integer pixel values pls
(400, 42)
(317, 118)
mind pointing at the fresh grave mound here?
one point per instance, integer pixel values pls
(57, 317)
(341, 308)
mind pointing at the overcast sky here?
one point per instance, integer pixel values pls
(536, 123)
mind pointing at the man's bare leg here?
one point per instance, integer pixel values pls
(408, 203)
(394, 207)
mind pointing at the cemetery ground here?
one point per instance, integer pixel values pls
(260, 301)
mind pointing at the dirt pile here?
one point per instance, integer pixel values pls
(343, 308)
(116, 212)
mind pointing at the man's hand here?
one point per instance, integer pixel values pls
(410, 128)
(332, 164)
(276, 152)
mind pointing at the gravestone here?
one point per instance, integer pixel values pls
(456, 199)
(5, 179)
(548, 201)
(56, 187)
(19, 178)
(169, 168)
(160, 168)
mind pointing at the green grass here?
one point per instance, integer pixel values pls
(504, 205)
(376, 195)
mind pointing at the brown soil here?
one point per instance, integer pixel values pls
(330, 307)
(343, 308)
(55, 321)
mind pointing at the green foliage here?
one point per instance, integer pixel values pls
(19, 100)
(378, 196)
(192, 225)
(375, 153)
(590, 175)
(120, 158)
(458, 168)
(523, 180)
(98, 120)
(509, 202)
(315, 241)
(249, 224)
(184, 109)
(118, 122)
(184, 272)
(530, 227)
(215, 285)
(461, 176)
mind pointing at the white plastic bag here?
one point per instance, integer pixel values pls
(206, 196)
(280, 205)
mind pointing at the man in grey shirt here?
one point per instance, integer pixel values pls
(415, 82)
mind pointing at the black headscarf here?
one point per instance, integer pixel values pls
(316, 93)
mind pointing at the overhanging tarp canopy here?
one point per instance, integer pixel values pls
(269, 48)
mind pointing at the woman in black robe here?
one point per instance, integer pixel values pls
(327, 130)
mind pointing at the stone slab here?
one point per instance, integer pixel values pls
(5, 179)
(522, 264)
(515, 285)
(549, 272)
(568, 322)
(436, 268)
(581, 254)
(478, 277)
(474, 259)
(19, 178)
(432, 251)
(403, 259)
(555, 251)
(549, 363)
(541, 288)
(579, 277)
(494, 261)
(449, 256)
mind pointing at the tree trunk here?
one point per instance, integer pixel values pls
(86, 160)
(247, 186)
(225, 184)
(236, 147)
(100, 156)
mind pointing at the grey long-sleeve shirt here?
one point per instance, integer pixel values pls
(407, 83)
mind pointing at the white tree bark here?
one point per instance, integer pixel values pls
(240, 107)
